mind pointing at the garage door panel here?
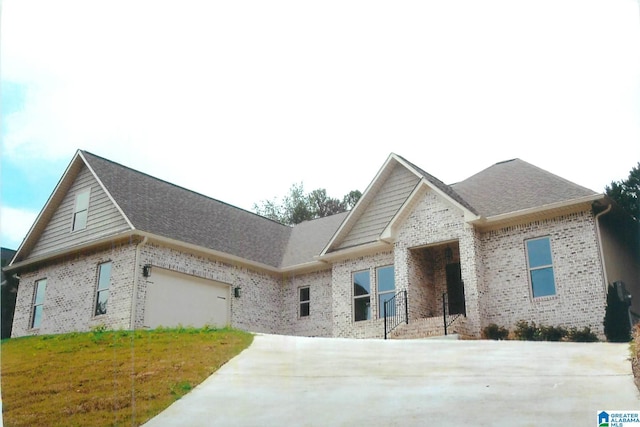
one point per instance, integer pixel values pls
(179, 299)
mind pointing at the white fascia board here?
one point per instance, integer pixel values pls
(354, 251)
(541, 209)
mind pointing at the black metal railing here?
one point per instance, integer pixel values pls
(448, 318)
(396, 311)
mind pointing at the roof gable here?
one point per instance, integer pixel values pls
(52, 230)
(386, 201)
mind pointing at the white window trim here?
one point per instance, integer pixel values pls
(540, 267)
(76, 210)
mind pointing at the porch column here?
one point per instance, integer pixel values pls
(473, 277)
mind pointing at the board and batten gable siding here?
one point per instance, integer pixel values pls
(393, 193)
(103, 219)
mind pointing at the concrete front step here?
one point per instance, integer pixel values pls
(421, 328)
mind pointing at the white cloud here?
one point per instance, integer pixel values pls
(14, 225)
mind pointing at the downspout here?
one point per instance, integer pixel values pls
(602, 261)
(136, 273)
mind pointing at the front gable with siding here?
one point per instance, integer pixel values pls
(409, 232)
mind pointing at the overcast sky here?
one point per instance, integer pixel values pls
(240, 99)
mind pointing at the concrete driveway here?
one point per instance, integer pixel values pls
(291, 381)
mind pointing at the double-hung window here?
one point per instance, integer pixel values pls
(540, 264)
(38, 303)
(81, 210)
(361, 296)
(102, 294)
(386, 289)
(305, 301)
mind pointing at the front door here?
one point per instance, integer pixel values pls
(455, 289)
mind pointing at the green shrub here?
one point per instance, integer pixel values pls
(584, 335)
(616, 318)
(494, 332)
(552, 333)
(526, 332)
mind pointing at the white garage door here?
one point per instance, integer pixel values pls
(179, 299)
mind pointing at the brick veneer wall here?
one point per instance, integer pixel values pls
(319, 323)
(580, 298)
(70, 293)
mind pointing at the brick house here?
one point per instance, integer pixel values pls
(116, 247)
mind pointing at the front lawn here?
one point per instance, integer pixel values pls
(108, 377)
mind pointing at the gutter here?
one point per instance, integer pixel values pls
(136, 274)
(538, 209)
(599, 236)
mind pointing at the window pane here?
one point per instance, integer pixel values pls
(304, 294)
(361, 283)
(101, 303)
(304, 309)
(80, 220)
(37, 316)
(82, 201)
(386, 279)
(104, 275)
(539, 251)
(362, 309)
(41, 286)
(391, 307)
(542, 282)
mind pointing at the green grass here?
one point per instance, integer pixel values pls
(108, 377)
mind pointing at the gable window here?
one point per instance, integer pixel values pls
(361, 296)
(540, 265)
(38, 302)
(102, 294)
(81, 210)
(305, 301)
(386, 287)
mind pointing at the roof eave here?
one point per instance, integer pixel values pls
(22, 265)
(548, 208)
(367, 248)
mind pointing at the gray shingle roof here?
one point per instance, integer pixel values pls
(515, 185)
(167, 210)
(309, 238)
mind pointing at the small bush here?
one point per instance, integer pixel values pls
(526, 332)
(584, 335)
(552, 333)
(494, 332)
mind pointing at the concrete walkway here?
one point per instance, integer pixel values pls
(289, 381)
